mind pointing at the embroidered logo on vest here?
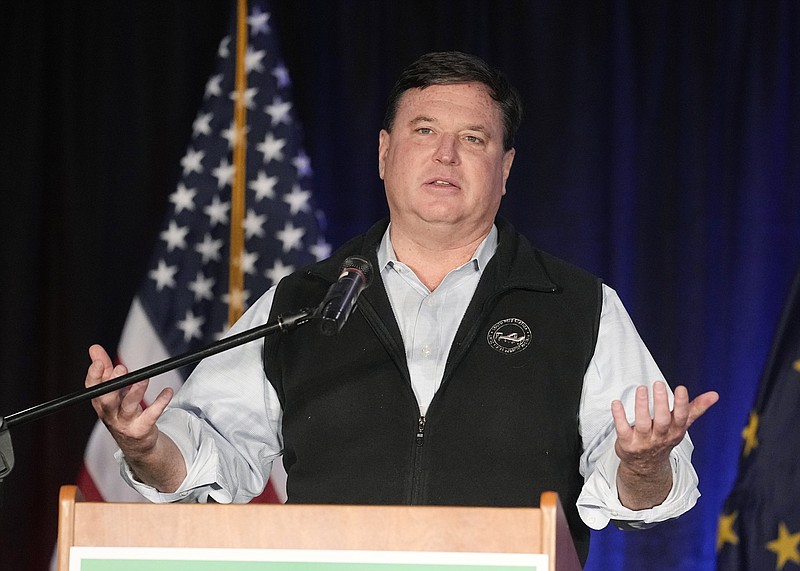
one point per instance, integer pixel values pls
(509, 335)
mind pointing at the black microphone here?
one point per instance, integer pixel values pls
(341, 297)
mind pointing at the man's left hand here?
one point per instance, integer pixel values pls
(644, 476)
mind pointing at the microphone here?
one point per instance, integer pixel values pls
(341, 297)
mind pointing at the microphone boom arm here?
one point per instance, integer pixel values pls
(283, 323)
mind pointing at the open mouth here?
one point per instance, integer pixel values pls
(442, 183)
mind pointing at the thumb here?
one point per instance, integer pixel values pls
(153, 412)
(701, 404)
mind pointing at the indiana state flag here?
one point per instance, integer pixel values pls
(759, 528)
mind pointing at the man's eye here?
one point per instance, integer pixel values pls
(424, 130)
(474, 139)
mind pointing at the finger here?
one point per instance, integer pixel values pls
(94, 375)
(101, 368)
(680, 412)
(156, 408)
(118, 371)
(700, 405)
(642, 422)
(97, 353)
(131, 401)
(109, 403)
(115, 372)
(662, 417)
(621, 423)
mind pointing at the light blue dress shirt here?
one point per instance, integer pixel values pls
(428, 320)
(226, 419)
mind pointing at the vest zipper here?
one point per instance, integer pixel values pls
(420, 430)
(417, 477)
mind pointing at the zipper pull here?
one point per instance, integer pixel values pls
(420, 430)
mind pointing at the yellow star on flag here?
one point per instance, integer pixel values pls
(796, 365)
(785, 546)
(725, 533)
(750, 434)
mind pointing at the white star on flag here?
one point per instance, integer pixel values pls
(230, 135)
(271, 148)
(281, 76)
(183, 198)
(190, 325)
(163, 275)
(264, 186)
(175, 236)
(249, 97)
(214, 86)
(253, 60)
(192, 162)
(259, 22)
(303, 164)
(202, 124)
(278, 271)
(223, 173)
(290, 236)
(254, 224)
(209, 249)
(248, 262)
(217, 211)
(297, 200)
(202, 287)
(279, 111)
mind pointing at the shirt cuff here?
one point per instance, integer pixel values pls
(599, 502)
(201, 458)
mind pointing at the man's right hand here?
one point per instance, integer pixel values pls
(152, 455)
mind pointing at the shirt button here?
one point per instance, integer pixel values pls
(431, 300)
(426, 351)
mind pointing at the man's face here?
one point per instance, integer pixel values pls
(443, 163)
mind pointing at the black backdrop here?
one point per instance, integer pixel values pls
(660, 149)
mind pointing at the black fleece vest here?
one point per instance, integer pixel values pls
(501, 429)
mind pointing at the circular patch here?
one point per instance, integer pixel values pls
(509, 335)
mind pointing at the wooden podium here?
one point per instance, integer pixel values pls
(330, 527)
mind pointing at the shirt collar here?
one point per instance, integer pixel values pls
(483, 253)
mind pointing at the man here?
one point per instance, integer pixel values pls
(476, 369)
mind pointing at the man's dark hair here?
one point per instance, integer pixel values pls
(443, 68)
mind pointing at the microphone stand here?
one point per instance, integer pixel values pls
(283, 324)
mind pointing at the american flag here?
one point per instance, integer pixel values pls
(183, 302)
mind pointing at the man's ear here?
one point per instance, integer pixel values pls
(508, 160)
(383, 148)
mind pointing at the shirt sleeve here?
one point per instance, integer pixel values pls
(225, 420)
(621, 362)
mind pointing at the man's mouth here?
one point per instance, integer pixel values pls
(442, 182)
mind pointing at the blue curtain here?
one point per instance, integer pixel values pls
(660, 150)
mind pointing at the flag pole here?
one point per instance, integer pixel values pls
(236, 269)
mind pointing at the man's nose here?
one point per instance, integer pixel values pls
(447, 150)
